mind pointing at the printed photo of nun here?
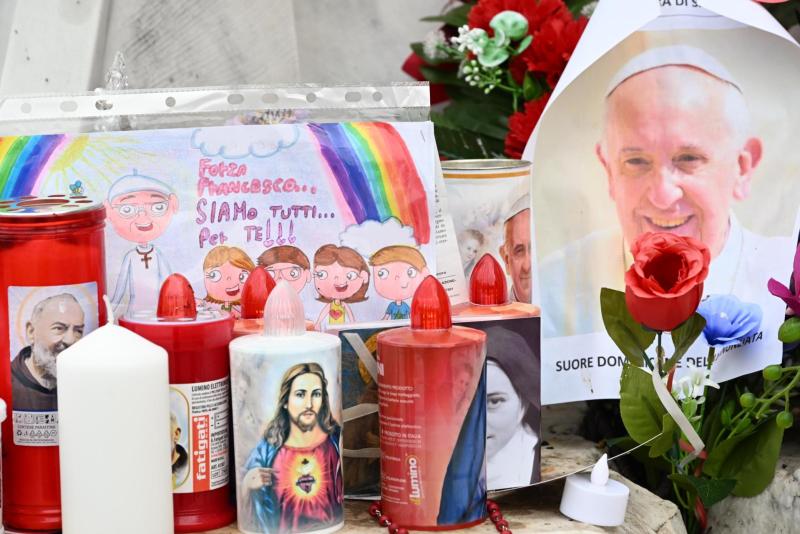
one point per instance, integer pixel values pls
(513, 409)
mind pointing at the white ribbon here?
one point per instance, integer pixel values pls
(363, 354)
(680, 419)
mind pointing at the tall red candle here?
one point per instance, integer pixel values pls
(199, 376)
(432, 410)
(52, 276)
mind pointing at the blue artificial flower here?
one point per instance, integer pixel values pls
(728, 319)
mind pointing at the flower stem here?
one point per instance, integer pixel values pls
(660, 355)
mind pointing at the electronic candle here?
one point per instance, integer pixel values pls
(596, 499)
(52, 276)
(287, 423)
(488, 294)
(256, 290)
(432, 410)
(199, 377)
(113, 400)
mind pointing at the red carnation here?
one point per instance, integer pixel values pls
(535, 11)
(552, 47)
(521, 125)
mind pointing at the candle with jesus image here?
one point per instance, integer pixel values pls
(286, 388)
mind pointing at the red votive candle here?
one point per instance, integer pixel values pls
(199, 376)
(52, 276)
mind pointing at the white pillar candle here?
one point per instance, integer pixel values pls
(114, 433)
(596, 499)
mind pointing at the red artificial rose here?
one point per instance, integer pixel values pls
(521, 125)
(664, 285)
(552, 46)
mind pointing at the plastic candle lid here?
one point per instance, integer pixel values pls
(487, 283)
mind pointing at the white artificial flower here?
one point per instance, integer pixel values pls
(588, 9)
(469, 39)
(432, 43)
(694, 384)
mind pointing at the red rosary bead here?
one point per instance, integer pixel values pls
(393, 528)
(495, 516)
(384, 521)
(502, 523)
(375, 509)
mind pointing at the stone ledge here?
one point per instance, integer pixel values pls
(535, 510)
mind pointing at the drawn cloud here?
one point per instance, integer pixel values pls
(370, 236)
(218, 142)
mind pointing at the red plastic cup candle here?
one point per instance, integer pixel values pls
(488, 294)
(52, 276)
(199, 371)
(432, 410)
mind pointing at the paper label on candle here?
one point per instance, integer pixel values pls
(42, 322)
(35, 429)
(200, 422)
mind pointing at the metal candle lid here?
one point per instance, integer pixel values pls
(53, 213)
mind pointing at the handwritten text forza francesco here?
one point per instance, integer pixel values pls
(264, 217)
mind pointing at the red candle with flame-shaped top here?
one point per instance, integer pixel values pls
(432, 409)
(488, 294)
(199, 371)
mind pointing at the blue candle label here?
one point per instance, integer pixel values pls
(199, 418)
(42, 322)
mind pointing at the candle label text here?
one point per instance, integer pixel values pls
(200, 440)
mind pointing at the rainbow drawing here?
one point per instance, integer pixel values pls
(373, 175)
(25, 160)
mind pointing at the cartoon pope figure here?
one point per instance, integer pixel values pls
(140, 209)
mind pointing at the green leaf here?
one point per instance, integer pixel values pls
(419, 49)
(455, 143)
(631, 337)
(683, 337)
(471, 116)
(641, 410)
(575, 6)
(525, 43)
(455, 17)
(710, 491)
(446, 77)
(531, 87)
(510, 24)
(666, 440)
(789, 332)
(749, 458)
(492, 55)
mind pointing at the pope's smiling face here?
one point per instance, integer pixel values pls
(141, 216)
(676, 154)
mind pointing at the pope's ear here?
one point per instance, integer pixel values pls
(173, 203)
(749, 158)
(598, 150)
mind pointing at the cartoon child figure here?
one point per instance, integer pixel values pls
(397, 272)
(470, 242)
(225, 271)
(140, 209)
(341, 277)
(287, 263)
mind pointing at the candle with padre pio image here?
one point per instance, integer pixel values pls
(432, 411)
(287, 400)
(52, 276)
(199, 371)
